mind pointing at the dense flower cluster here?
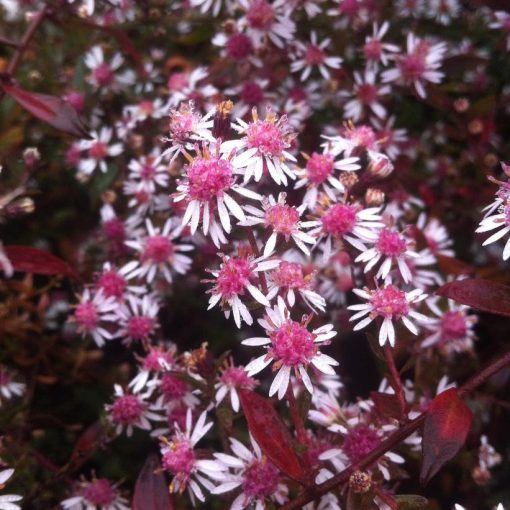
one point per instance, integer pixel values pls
(272, 181)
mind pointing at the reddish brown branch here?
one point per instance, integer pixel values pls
(395, 381)
(392, 440)
(21, 47)
(296, 418)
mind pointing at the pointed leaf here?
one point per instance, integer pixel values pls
(88, 442)
(151, 491)
(271, 434)
(453, 266)
(482, 294)
(386, 404)
(446, 427)
(32, 260)
(51, 109)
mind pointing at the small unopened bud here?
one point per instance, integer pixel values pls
(349, 179)
(154, 13)
(490, 160)
(229, 26)
(380, 167)
(360, 482)
(34, 76)
(109, 196)
(480, 475)
(461, 105)
(31, 157)
(475, 127)
(221, 121)
(374, 197)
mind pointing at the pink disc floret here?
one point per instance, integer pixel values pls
(290, 275)
(100, 492)
(126, 409)
(260, 480)
(390, 302)
(339, 220)
(233, 277)
(359, 442)
(282, 218)
(158, 249)
(237, 377)
(179, 458)
(209, 178)
(292, 344)
(319, 167)
(86, 316)
(390, 243)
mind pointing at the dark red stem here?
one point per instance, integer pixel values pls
(21, 47)
(396, 382)
(392, 440)
(296, 418)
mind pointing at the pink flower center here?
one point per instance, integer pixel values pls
(362, 136)
(126, 409)
(114, 230)
(453, 326)
(367, 93)
(140, 327)
(99, 492)
(103, 75)
(177, 416)
(314, 55)
(390, 302)
(260, 15)
(177, 81)
(98, 151)
(172, 387)
(179, 459)
(5, 377)
(391, 243)
(233, 277)
(236, 377)
(319, 167)
(297, 94)
(289, 275)
(412, 66)
(350, 7)
(292, 344)
(339, 220)
(147, 172)
(209, 178)
(182, 123)
(252, 94)
(146, 107)
(260, 480)
(86, 316)
(112, 283)
(282, 218)
(359, 442)
(158, 249)
(239, 47)
(152, 360)
(373, 50)
(266, 137)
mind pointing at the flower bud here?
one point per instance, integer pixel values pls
(374, 197)
(360, 482)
